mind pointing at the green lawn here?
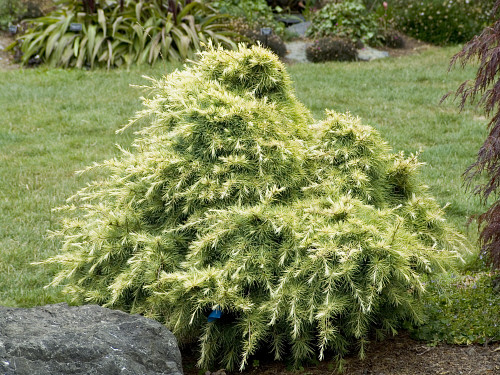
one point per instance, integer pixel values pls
(54, 122)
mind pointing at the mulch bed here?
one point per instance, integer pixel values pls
(398, 355)
(412, 46)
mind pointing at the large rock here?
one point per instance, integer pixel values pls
(299, 28)
(59, 339)
(296, 51)
(369, 54)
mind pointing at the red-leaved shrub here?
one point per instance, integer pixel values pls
(485, 48)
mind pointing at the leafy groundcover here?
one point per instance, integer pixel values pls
(297, 237)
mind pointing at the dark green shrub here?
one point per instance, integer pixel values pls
(460, 309)
(255, 14)
(140, 32)
(393, 39)
(441, 21)
(348, 19)
(252, 11)
(273, 41)
(289, 5)
(331, 49)
(307, 237)
(38, 8)
(372, 4)
(254, 35)
(388, 35)
(11, 11)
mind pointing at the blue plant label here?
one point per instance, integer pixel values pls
(215, 314)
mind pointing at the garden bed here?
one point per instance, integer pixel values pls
(411, 47)
(6, 60)
(398, 355)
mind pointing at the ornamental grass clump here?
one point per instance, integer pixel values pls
(304, 238)
(120, 33)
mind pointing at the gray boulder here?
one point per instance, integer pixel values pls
(296, 51)
(369, 54)
(299, 28)
(59, 339)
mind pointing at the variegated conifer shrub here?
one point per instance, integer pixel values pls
(307, 237)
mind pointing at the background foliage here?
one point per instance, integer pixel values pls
(460, 309)
(442, 21)
(347, 19)
(252, 11)
(252, 34)
(11, 11)
(249, 15)
(141, 32)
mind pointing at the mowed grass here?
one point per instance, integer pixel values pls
(55, 122)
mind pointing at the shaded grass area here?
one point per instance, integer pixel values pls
(55, 122)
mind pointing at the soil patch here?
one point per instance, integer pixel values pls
(6, 59)
(412, 46)
(398, 355)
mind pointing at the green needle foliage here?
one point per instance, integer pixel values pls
(308, 237)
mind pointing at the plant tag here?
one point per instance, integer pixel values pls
(266, 31)
(75, 27)
(215, 314)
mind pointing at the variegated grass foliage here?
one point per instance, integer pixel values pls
(307, 237)
(140, 32)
